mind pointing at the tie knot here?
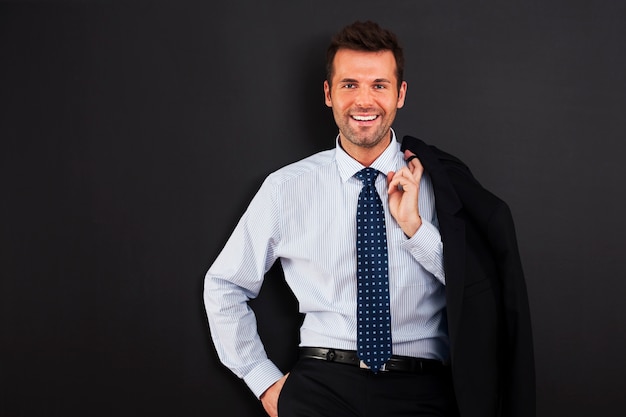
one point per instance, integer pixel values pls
(367, 176)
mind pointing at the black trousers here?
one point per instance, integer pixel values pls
(316, 388)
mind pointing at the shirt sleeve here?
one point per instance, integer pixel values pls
(427, 248)
(234, 278)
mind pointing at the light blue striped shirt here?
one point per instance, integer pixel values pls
(304, 215)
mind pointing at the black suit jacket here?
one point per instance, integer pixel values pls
(489, 324)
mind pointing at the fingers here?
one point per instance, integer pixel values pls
(407, 178)
(414, 164)
(403, 180)
(403, 190)
(269, 399)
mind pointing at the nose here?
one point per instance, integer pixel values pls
(364, 98)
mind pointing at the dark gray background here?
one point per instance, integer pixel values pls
(133, 136)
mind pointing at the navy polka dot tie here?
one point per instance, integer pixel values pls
(373, 316)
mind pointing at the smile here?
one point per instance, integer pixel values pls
(364, 118)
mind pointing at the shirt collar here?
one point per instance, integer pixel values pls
(349, 166)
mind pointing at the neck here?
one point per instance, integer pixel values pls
(362, 154)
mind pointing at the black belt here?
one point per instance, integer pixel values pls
(395, 364)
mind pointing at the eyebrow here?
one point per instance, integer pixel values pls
(377, 80)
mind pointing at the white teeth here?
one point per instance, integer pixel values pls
(364, 118)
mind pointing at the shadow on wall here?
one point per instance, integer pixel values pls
(278, 319)
(276, 307)
(316, 119)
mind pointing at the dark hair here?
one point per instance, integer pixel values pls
(365, 36)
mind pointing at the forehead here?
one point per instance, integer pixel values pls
(353, 64)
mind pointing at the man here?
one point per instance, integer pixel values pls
(426, 316)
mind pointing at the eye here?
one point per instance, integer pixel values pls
(349, 85)
(379, 86)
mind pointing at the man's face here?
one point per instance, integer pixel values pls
(364, 97)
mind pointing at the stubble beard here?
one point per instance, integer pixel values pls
(364, 138)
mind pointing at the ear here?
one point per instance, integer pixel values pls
(327, 98)
(402, 94)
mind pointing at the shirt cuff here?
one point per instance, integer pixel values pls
(262, 377)
(426, 247)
